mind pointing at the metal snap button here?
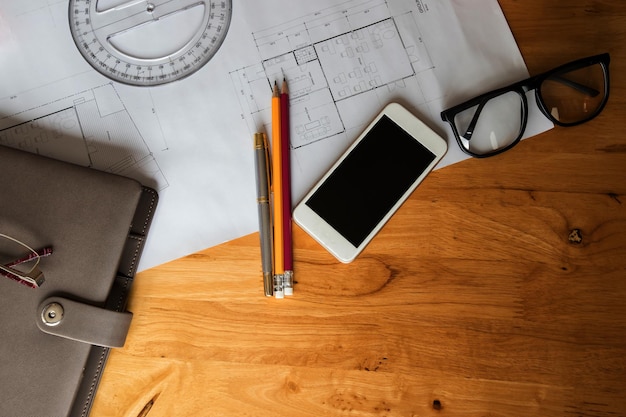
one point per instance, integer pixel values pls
(52, 314)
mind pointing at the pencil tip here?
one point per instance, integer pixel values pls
(285, 89)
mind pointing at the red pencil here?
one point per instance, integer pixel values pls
(286, 175)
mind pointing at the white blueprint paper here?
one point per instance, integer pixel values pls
(192, 139)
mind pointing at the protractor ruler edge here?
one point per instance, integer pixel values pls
(102, 36)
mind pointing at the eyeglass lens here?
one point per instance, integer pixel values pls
(491, 125)
(569, 97)
(574, 96)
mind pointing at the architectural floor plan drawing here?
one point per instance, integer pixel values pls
(336, 62)
(92, 129)
(191, 139)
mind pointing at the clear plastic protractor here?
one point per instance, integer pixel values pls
(147, 43)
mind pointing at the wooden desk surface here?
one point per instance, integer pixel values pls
(472, 301)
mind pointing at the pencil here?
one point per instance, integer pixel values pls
(286, 187)
(277, 193)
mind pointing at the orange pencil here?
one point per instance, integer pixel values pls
(277, 193)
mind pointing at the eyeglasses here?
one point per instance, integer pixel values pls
(568, 95)
(31, 277)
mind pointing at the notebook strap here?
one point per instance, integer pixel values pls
(83, 322)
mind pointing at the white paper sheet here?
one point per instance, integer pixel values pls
(192, 139)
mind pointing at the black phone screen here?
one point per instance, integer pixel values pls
(370, 180)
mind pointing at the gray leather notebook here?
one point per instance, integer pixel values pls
(70, 241)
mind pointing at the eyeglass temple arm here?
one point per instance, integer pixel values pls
(41, 253)
(472, 125)
(33, 279)
(590, 91)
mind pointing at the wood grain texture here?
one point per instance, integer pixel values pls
(498, 289)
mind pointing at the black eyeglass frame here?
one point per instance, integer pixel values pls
(521, 88)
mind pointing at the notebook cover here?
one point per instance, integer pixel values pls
(96, 223)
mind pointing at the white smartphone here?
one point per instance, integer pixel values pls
(369, 182)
